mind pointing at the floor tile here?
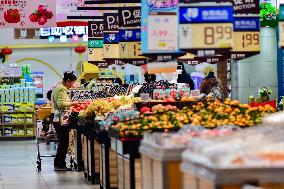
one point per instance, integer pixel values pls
(18, 169)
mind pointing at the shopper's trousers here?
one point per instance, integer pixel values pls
(63, 143)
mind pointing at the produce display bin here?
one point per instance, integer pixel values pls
(129, 162)
(161, 167)
(107, 161)
(198, 176)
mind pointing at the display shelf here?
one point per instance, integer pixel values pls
(24, 125)
(18, 112)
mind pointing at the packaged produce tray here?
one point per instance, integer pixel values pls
(179, 105)
(161, 154)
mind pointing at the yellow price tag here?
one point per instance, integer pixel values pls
(246, 41)
(95, 54)
(130, 50)
(206, 36)
(111, 51)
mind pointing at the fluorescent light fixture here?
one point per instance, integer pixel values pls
(63, 38)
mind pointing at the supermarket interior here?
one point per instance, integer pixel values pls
(141, 94)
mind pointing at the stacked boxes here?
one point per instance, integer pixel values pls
(17, 93)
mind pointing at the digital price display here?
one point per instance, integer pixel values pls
(206, 27)
(281, 26)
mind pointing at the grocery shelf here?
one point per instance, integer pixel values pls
(12, 138)
(18, 112)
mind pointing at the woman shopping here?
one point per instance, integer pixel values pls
(62, 102)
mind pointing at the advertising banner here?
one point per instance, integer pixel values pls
(27, 13)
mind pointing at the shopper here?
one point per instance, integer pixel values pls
(61, 102)
(149, 78)
(185, 77)
(211, 86)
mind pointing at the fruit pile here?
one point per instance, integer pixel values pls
(41, 15)
(101, 107)
(81, 106)
(158, 109)
(207, 114)
(212, 114)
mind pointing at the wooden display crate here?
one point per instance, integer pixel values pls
(124, 172)
(161, 167)
(201, 177)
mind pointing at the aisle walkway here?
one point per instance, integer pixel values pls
(18, 169)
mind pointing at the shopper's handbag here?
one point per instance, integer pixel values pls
(64, 118)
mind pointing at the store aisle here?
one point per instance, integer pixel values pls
(18, 169)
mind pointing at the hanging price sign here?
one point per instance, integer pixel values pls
(214, 27)
(245, 37)
(96, 42)
(111, 36)
(160, 26)
(281, 26)
(130, 36)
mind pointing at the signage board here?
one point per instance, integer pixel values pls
(214, 27)
(68, 31)
(27, 13)
(111, 36)
(157, 36)
(246, 37)
(130, 36)
(26, 33)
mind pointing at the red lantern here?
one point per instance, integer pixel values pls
(6, 51)
(80, 49)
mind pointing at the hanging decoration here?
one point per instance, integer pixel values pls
(6, 52)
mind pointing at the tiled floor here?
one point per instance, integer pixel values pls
(18, 169)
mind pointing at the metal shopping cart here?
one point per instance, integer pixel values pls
(47, 135)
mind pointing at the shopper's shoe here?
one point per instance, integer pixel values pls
(61, 168)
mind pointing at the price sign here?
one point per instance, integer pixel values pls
(211, 36)
(111, 51)
(95, 54)
(246, 37)
(214, 27)
(281, 34)
(157, 36)
(246, 41)
(281, 26)
(130, 50)
(161, 37)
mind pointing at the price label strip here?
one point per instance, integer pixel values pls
(212, 24)
(245, 37)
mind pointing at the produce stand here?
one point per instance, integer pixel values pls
(160, 167)
(202, 177)
(129, 160)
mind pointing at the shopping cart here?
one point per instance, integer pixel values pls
(47, 137)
